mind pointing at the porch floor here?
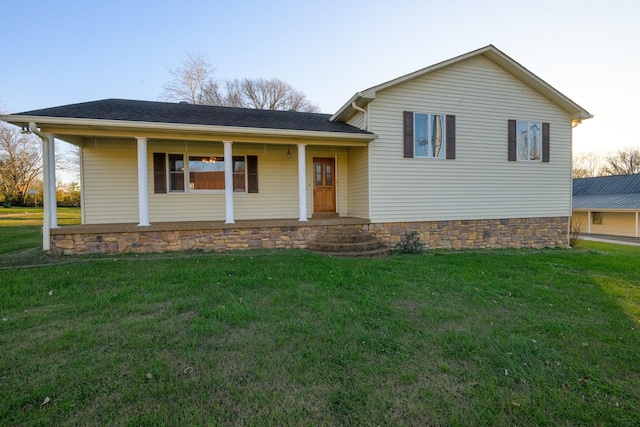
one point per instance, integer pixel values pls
(204, 225)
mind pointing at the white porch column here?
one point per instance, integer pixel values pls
(302, 181)
(46, 199)
(589, 222)
(228, 181)
(53, 204)
(143, 184)
(637, 230)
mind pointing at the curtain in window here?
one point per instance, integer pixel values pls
(437, 135)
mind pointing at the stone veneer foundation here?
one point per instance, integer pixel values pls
(456, 234)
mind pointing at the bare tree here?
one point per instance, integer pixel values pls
(585, 165)
(68, 158)
(193, 83)
(20, 164)
(267, 94)
(622, 162)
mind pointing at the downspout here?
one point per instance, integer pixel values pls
(363, 111)
(47, 224)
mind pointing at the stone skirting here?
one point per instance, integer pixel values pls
(458, 234)
(482, 233)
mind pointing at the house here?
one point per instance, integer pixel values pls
(607, 205)
(471, 152)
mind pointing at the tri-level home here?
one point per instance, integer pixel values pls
(471, 152)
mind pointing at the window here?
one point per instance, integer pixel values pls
(429, 135)
(206, 173)
(176, 172)
(528, 141)
(596, 218)
(203, 173)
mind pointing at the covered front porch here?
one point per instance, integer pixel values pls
(153, 175)
(194, 235)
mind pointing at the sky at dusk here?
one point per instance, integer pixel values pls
(62, 52)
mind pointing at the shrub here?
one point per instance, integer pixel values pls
(410, 243)
(575, 230)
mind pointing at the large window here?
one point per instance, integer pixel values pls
(529, 140)
(202, 173)
(429, 135)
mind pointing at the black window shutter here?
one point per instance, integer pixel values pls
(252, 171)
(159, 173)
(545, 142)
(451, 137)
(407, 121)
(511, 141)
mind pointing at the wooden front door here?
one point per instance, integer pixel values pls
(324, 188)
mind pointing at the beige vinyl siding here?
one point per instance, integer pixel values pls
(613, 223)
(357, 120)
(110, 181)
(359, 182)
(480, 183)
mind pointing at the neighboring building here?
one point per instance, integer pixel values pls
(471, 152)
(607, 205)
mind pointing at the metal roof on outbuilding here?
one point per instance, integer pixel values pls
(607, 192)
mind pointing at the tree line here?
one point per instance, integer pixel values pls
(625, 161)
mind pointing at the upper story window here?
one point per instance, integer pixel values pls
(529, 140)
(429, 135)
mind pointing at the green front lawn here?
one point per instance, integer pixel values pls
(20, 228)
(504, 337)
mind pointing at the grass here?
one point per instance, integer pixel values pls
(17, 227)
(504, 337)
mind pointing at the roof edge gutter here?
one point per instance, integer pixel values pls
(364, 112)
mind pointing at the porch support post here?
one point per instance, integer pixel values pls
(637, 230)
(53, 205)
(143, 185)
(228, 181)
(46, 199)
(302, 181)
(589, 222)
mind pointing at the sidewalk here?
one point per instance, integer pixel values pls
(618, 240)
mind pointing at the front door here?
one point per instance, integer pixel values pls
(324, 188)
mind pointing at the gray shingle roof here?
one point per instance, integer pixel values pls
(607, 192)
(178, 113)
